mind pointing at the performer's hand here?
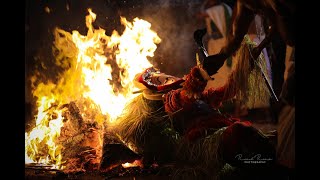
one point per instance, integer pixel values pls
(213, 63)
(195, 82)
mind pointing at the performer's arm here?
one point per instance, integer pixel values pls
(242, 17)
(184, 98)
(193, 89)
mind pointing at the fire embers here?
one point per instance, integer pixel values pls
(82, 142)
(116, 155)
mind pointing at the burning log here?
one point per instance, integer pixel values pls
(118, 160)
(115, 155)
(115, 152)
(81, 141)
(73, 114)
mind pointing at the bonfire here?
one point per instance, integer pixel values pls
(92, 91)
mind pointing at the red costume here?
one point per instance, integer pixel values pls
(195, 113)
(189, 101)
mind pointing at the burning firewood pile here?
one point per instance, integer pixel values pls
(97, 151)
(82, 141)
(131, 147)
(71, 136)
(86, 154)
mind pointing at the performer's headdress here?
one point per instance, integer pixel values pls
(154, 84)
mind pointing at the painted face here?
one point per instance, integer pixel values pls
(155, 80)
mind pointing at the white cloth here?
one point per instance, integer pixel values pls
(217, 15)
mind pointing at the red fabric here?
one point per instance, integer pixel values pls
(178, 99)
(184, 98)
(195, 84)
(169, 86)
(215, 121)
(181, 99)
(234, 137)
(239, 136)
(214, 96)
(194, 81)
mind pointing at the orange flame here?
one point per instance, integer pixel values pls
(45, 132)
(87, 75)
(135, 163)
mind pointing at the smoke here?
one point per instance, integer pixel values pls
(174, 21)
(174, 24)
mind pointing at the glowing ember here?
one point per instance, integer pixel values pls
(136, 163)
(97, 67)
